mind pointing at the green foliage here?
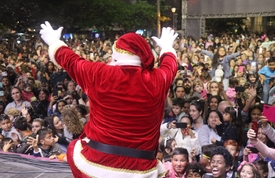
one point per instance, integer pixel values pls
(100, 14)
(215, 26)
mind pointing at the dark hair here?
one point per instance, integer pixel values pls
(220, 150)
(49, 123)
(272, 59)
(176, 81)
(218, 127)
(181, 151)
(178, 102)
(166, 143)
(15, 87)
(232, 82)
(217, 56)
(259, 107)
(43, 132)
(195, 168)
(237, 121)
(6, 140)
(4, 117)
(59, 101)
(177, 88)
(210, 97)
(45, 91)
(82, 109)
(20, 123)
(188, 117)
(199, 104)
(207, 149)
(262, 165)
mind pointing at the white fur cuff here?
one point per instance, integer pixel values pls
(53, 48)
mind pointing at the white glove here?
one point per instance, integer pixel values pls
(48, 34)
(167, 38)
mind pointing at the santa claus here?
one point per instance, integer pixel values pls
(126, 105)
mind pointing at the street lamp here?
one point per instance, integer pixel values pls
(158, 20)
(173, 9)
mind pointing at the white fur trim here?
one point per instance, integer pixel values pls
(123, 59)
(53, 48)
(96, 170)
(166, 50)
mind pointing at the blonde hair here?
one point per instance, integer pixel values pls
(13, 112)
(72, 120)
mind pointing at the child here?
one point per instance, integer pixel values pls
(37, 124)
(247, 169)
(265, 74)
(176, 168)
(220, 161)
(194, 170)
(234, 149)
(233, 129)
(167, 145)
(27, 93)
(230, 92)
(8, 131)
(262, 167)
(44, 144)
(177, 108)
(205, 78)
(198, 90)
(252, 79)
(206, 151)
(7, 145)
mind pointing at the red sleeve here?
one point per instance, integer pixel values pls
(80, 70)
(17, 70)
(34, 73)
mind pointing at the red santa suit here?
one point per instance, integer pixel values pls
(126, 109)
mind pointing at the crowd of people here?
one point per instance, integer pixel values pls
(212, 111)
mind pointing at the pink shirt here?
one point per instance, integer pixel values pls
(170, 171)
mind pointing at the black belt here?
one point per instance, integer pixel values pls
(122, 151)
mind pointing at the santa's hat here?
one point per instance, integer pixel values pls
(131, 49)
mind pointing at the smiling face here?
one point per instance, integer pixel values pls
(212, 119)
(247, 172)
(218, 166)
(213, 105)
(179, 163)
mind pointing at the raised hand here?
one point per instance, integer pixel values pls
(167, 38)
(48, 34)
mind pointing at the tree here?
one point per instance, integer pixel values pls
(101, 14)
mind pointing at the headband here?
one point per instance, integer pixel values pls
(246, 163)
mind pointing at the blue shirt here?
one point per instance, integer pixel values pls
(267, 73)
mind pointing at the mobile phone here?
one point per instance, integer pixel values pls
(55, 92)
(183, 72)
(268, 112)
(253, 149)
(181, 125)
(1, 93)
(255, 127)
(239, 89)
(253, 64)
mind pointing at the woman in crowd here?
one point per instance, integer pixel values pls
(210, 130)
(185, 137)
(18, 102)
